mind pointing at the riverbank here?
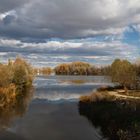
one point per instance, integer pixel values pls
(117, 118)
(111, 94)
(110, 111)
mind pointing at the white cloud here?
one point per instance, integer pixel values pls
(2, 16)
(92, 49)
(9, 42)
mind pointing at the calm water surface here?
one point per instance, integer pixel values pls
(53, 113)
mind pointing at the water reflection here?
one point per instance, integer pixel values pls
(52, 114)
(67, 88)
(118, 120)
(11, 111)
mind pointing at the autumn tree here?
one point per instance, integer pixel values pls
(62, 69)
(137, 67)
(46, 70)
(22, 73)
(123, 72)
(75, 68)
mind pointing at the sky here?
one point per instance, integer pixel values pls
(49, 32)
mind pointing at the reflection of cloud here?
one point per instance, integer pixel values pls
(67, 87)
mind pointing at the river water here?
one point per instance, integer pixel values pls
(53, 114)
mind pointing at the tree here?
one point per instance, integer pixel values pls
(62, 69)
(137, 66)
(74, 68)
(46, 70)
(23, 74)
(123, 72)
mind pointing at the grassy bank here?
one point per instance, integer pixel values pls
(111, 94)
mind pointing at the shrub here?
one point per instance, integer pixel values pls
(18, 72)
(15, 77)
(7, 96)
(6, 75)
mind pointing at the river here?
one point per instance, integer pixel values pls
(52, 113)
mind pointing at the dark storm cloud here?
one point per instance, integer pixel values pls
(68, 19)
(7, 5)
(54, 31)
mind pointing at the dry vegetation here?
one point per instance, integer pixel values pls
(126, 75)
(123, 72)
(97, 97)
(134, 93)
(15, 78)
(13, 105)
(46, 70)
(76, 68)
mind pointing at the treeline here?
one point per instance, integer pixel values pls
(43, 71)
(15, 78)
(74, 68)
(123, 72)
(79, 68)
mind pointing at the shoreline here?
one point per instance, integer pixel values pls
(117, 95)
(110, 94)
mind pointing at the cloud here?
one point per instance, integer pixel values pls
(52, 31)
(8, 5)
(68, 19)
(95, 49)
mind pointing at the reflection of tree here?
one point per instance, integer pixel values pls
(18, 109)
(118, 120)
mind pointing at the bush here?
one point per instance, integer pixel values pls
(7, 96)
(6, 75)
(15, 78)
